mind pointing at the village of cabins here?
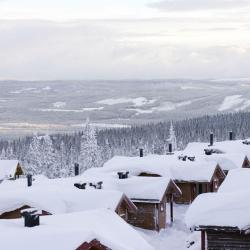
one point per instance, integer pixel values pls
(102, 207)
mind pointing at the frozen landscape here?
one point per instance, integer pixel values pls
(65, 105)
(124, 125)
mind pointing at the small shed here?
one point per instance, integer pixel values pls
(223, 220)
(10, 169)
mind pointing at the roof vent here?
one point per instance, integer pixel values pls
(123, 175)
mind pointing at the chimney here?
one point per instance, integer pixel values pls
(170, 148)
(123, 175)
(31, 217)
(141, 152)
(76, 169)
(231, 135)
(29, 180)
(211, 139)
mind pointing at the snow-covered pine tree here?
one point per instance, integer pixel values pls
(89, 153)
(32, 160)
(48, 158)
(9, 152)
(172, 137)
(3, 154)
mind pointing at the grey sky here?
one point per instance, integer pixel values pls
(123, 39)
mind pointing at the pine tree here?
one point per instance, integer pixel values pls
(3, 154)
(89, 153)
(48, 158)
(32, 160)
(172, 137)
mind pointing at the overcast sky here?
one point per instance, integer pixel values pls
(124, 39)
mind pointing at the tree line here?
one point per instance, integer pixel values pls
(54, 155)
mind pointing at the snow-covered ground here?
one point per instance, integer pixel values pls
(174, 237)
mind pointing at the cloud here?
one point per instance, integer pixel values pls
(191, 5)
(121, 50)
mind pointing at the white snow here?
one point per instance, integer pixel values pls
(137, 102)
(54, 198)
(69, 231)
(220, 209)
(59, 104)
(82, 110)
(174, 237)
(164, 165)
(7, 168)
(231, 102)
(237, 180)
(232, 156)
(169, 106)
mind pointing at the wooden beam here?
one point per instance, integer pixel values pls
(203, 240)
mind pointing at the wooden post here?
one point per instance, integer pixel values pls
(171, 209)
(203, 240)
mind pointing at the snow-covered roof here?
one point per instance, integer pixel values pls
(233, 147)
(168, 166)
(69, 231)
(202, 172)
(57, 200)
(7, 168)
(237, 180)
(220, 210)
(232, 153)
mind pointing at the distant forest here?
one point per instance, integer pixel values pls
(55, 155)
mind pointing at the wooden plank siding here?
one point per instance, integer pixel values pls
(145, 216)
(227, 240)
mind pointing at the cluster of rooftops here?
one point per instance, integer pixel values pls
(97, 207)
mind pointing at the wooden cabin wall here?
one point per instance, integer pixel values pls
(122, 211)
(162, 215)
(151, 216)
(187, 193)
(146, 216)
(227, 240)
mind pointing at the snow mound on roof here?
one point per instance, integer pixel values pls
(59, 200)
(236, 180)
(69, 231)
(7, 168)
(220, 209)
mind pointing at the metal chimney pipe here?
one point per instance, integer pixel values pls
(231, 135)
(211, 139)
(141, 152)
(29, 180)
(170, 148)
(76, 169)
